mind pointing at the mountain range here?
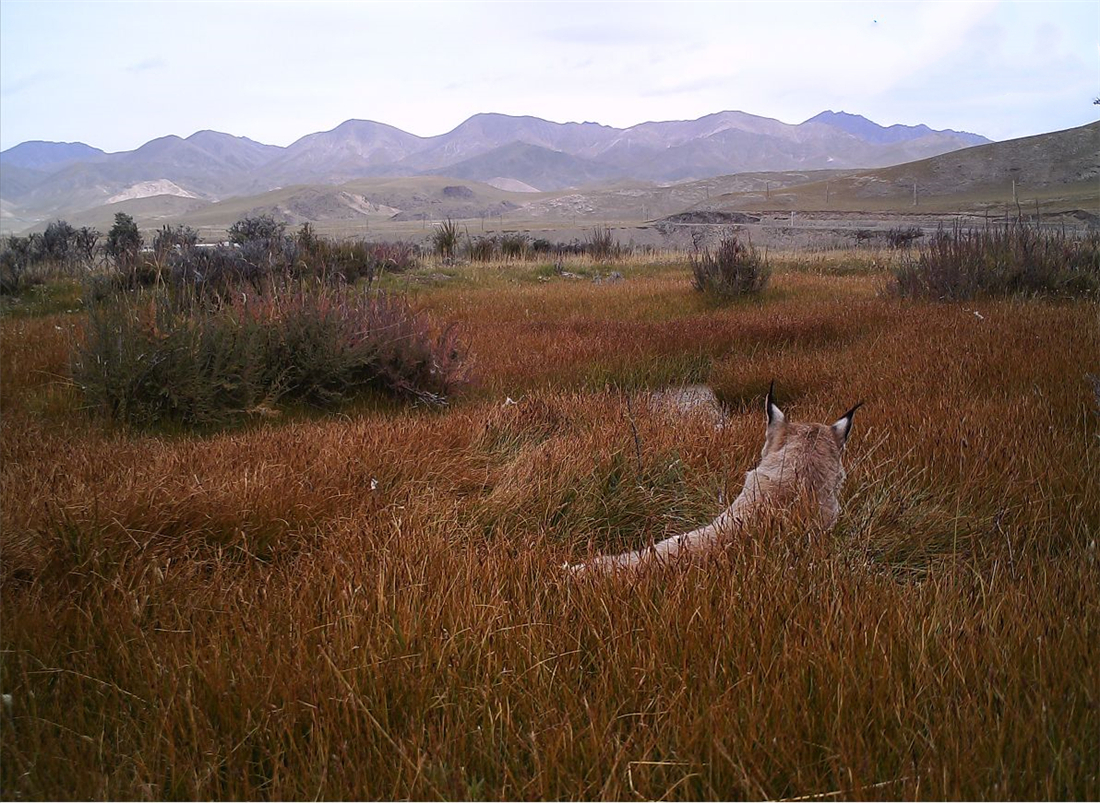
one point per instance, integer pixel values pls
(40, 180)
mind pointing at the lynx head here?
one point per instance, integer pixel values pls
(781, 432)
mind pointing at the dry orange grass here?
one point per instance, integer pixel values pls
(370, 605)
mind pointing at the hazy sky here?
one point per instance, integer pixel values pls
(115, 75)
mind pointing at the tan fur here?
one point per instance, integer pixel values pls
(799, 474)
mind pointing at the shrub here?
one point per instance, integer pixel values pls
(87, 245)
(966, 263)
(903, 236)
(166, 354)
(483, 249)
(733, 269)
(260, 255)
(306, 237)
(60, 250)
(355, 259)
(572, 248)
(445, 240)
(602, 244)
(223, 269)
(180, 238)
(395, 256)
(124, 241)
(58, 243)
(349, 261)
(17, 262)
(259, 228)
(513, 246)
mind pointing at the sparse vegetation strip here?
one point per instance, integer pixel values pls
(959, 264)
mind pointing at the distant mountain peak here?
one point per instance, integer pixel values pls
(869, 131)
(49, 156)
(829, 115)
(356, 123)
(209, 133)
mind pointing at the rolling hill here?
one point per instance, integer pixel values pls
(533, 165)
(1060, 170)
(364, 201)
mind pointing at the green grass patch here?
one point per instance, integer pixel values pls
(645, 372)
(59, 296)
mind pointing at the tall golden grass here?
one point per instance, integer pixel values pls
(370, 605)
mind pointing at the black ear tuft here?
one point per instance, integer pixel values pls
(775, 415)
(843, 426)
(852, 412)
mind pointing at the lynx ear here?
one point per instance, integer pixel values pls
(843, 427)
(775, 415)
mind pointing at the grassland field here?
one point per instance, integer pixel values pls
(369, 604)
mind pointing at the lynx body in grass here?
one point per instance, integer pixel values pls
(800, 472)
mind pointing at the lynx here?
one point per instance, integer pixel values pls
(800, 470)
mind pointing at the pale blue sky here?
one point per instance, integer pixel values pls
(115, 75)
